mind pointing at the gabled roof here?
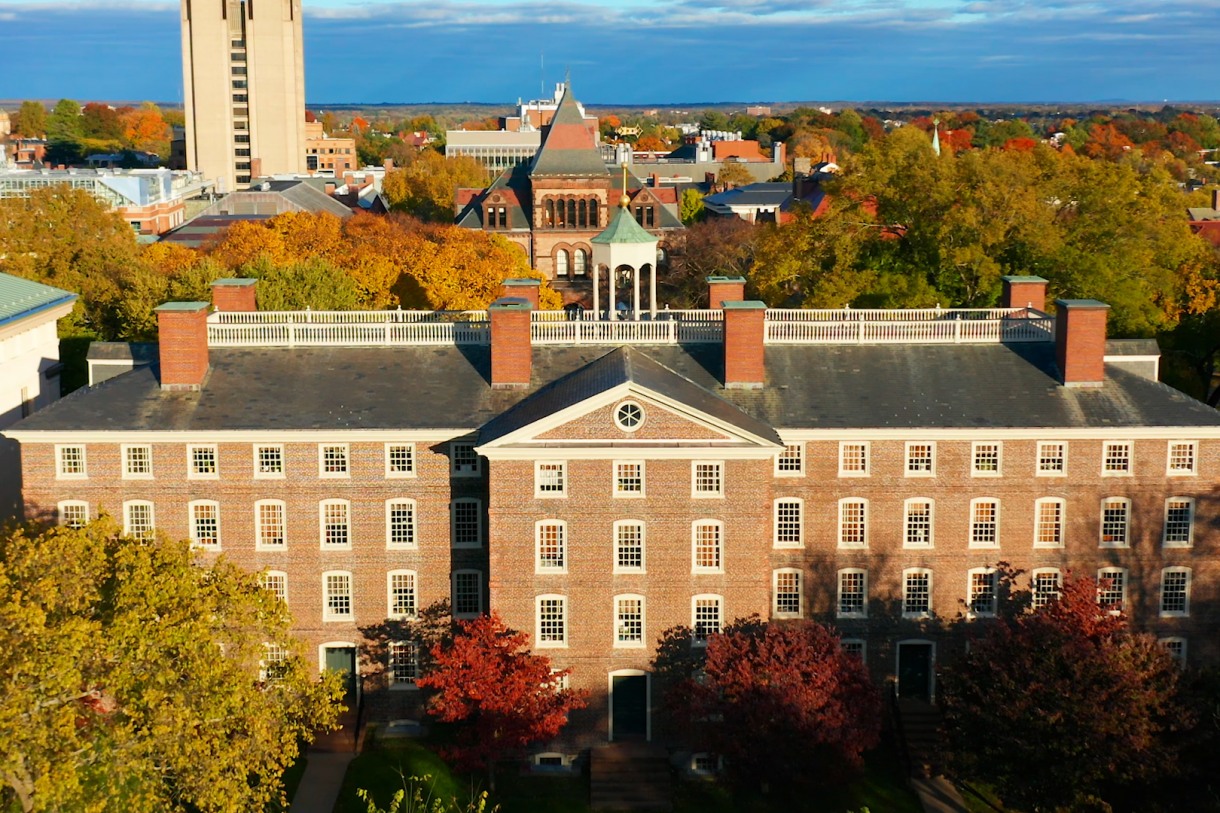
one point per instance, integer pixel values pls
(21, 298)
(568, 149)
(513, 188)
(623, 229)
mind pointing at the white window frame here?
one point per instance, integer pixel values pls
(192, 519)
(642, 642)
(278, 574)
(971, 541)
(540, 568)
(259, 539)
(1170, 471)
(800, 522)
(1109, 573)
(849, 644)
(912, 571)
(975, 448)
(152, 517)
(1040, 505)
(622, 411)
(391, 612)
(619, 568)
(564, 619)
(1190, 526)
(561, 466)
(60, 473)
(790, 452)
(259, 474)
(478, 511)
(59, 512)
(1036, 601)
(393, 650)
(347, 511)
(865, 446)
(390, 473)
(1185, 612)
(1125, 542)
(1063, 459)
(776, 612)
(390, 504)
(839, 611)
(1106, 446)
(191, 474)
(696, 640)
(971, 610)
(843, 545)
(454, 471)
(629, 495)
(327, 615)
(906, 459)
(1169, 643)
(694, 480)
(906, 523)
(478, 574)
(695, 567)
(126, 449)
(346, 474)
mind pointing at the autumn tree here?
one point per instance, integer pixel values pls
(782, 702)
(144, 129)
(733, 173)
(137, 678)
(427, 184)
(503, 697)
(30, 121)
(717, 246)
(690, 206)
(1063, 703)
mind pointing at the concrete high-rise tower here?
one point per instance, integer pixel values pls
(243, 74)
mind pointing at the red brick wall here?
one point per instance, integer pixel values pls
(1020, 294)
(183, 337)
(1080, 342)
(234, 298)
(743, 346)
(718, 292)
(658, 424)
(511, 351)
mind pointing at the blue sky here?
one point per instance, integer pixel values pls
(653, 51)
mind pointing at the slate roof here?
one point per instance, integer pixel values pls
(568, 149)
(198, 230)
(21, 298)
(308, 197)
(755, 194)
(1132, 347)
(138, 352)
(812, 386)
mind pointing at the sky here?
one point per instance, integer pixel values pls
(652, 52)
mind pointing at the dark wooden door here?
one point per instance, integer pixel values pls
(629, 701)
(343, 660)
(915, 671)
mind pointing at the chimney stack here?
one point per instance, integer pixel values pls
(511, 352)
(725, 289)
(256, 168)
(182, 329)
(1024, 292)
(1080, 341)
(522, 288)
(330, 187)
(232, 295)
(744, 344)
(1216, 199)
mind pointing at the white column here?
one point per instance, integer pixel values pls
(611, 284)
(652, 291)
(596, 292)
(635, 281)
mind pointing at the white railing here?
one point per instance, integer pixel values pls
(926, 326)
(346, 328)
(667, 327)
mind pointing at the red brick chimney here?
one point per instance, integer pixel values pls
(1080, 341)
(388, 164)
(725, 289)
(511, 352)
(744, 334)
(330, 187)
(256, 168)
(232, 295)
(522, 288)
(1216, 198)
(182, 329)
(1023, 292)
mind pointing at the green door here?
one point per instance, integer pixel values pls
(629, 707)
(915, 671)
(343, 660)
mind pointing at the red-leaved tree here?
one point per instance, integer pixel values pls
(504, 697)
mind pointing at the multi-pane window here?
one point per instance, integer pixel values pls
(467, 523)
(73, 513)
(550, 479)
(550, 537)
(403, 667)
(1179, 522)
(205, 523)
(1116, 458)
(629, 621)
(853, 459)
(138, 519)
(1048, 522)
(137, 461)
(707, 480)
(333, 460)
(1112, 589)
(274, 662)
(986, 460)
(791, 461)
(552, 621)
(786, 585)
(1175, 591)
(788, 523)
(269, 524)
(982, 592)
(464, 460)
(629, 478)
(629, 416)
(707, 547)
(853, 594)
(400, 523)
(467, 593)
(853, 647)
(705, 617)
(336, 596)
(917, 523)
(276, 583)
(1176, 647)
(853, 523)
(400, 585)
(1181, 457)
(921, 459)
(334, 517)
(1115, 522)
(1052, 459)
(201, 461)
(984, 523)
(1044, 588)
(916, 592)
(399, 459)
(628, 546)
(70, 462)
(269, 461)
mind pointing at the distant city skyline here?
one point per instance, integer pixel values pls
(644, 52)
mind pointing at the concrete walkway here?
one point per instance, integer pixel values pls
(319, 788)
(937, 795)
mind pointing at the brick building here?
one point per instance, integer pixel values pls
(600, 482)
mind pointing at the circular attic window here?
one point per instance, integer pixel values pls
(629, 416)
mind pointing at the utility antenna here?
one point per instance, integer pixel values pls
(541, 75)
